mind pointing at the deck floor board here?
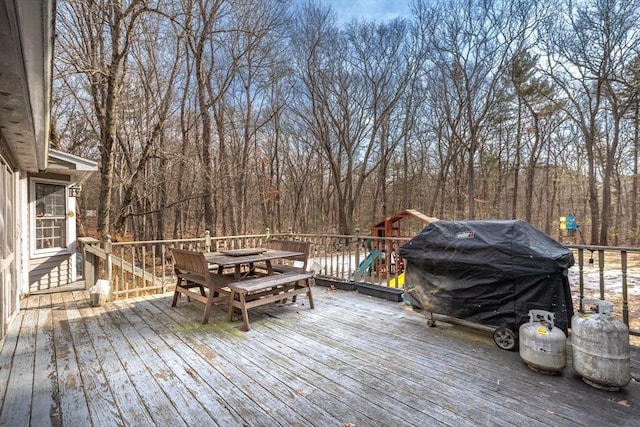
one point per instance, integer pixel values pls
(203, 360)
(352, 361)
(513, 383)
(491, 379)
(6, 365)
(213, 390)
(162, 368)
(158, 405)
(457, 367)
(276, 399)
(102, 407)
(188, 383)
(74, 409)
(425, 384)
(129, 403)
(17, 406)
(388, 382)
(45, 385)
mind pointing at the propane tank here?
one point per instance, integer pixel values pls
(543, 347)
(601, 351)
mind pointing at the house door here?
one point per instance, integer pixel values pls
(8, 277)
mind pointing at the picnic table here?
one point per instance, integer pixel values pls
(253, 282)
(247, 258)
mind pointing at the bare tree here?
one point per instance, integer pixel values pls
(592, 41)
(351, 93)
(471, 44)
(152, 96)
(96, 36)
(536, 96)
(633, 95)
(250, 107)
(325, 126)
(206, 33)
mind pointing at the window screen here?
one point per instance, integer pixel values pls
(51, 218)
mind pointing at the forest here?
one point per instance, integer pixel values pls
(235, 116)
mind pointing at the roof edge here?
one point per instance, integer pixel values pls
(81, 163)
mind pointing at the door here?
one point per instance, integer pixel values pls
(8, 277)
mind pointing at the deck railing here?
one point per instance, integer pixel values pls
(136, 268)
(605, 272)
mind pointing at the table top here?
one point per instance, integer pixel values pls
(222, 259)
(244, 252)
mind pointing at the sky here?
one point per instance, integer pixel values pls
(380, 10)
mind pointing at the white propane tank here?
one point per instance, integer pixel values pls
(601, 351)
(543, 347)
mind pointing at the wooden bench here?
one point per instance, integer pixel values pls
(246, 294)
(298, 263)
(192, 271)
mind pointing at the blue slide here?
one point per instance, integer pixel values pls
(368, 261)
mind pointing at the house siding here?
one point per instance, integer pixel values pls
(50, 272)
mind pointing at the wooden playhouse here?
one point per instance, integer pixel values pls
(382, 260)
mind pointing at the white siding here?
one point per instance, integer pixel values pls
(50, 272)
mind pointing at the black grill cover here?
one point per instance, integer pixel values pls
(488, 272)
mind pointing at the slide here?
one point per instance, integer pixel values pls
(397, 282)
(369, 260)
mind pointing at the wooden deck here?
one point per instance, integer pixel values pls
(353, 361)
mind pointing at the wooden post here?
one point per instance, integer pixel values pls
(625, 288)
(356, 274)
(207, 241)
(581, 274)
(89, 262)
(89, 268)
(601, 271)
(108, 249)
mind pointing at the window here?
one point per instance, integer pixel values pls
(51, 219)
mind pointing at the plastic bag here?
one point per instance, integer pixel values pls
(99, 293)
